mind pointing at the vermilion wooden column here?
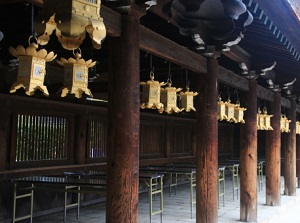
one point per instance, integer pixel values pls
(248, 156)
(273, 155)
(290, 155)
(207, 146)
(123, 125)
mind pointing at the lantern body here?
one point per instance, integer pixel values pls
(297, 127)
(284, 124)
(31, 75)
(222, 110)
(239, 114)
(230, 112)
(287, 125)
(169, 99)
(187, 100)
(151, 95)
(261, 122)
(75, 80)
(267, 122)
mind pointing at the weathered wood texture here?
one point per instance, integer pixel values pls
(290, 155)
(273, 155)
(248, 156)
(4, 135)
(298, 159)
(123, 125)
(207, 147)
(80, 139)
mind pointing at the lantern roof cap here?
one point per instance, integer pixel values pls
(32, 51)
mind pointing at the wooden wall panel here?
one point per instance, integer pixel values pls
(181, 136)
(151, 139)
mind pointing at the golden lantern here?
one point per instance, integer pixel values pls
(260, 120)
(169, 98)
(267, 119)
(76, 75)
(284, 124)
(187, 100)
(32, 68)
(297, 127)
(229, 111)
(239, 113)
(287, 125)
(151, 94)
(264, 120)
(221, 110)
(70, 19)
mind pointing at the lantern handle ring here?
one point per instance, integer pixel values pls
(33, 44)
(77, 54)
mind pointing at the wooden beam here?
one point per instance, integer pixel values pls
(238, 55)
(162, 47)
(35, 2)
(231, 79)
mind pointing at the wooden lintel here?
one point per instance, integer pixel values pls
(231, 79)
(111, 20)
(162, 47)
(287, 103)
(265, 94)
(238, 55)
(35, 2)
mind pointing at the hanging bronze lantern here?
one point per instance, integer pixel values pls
(76, 75)
(32, 68)
(267, 119)
(297, 127)
(260, 120)
(221, 110)
(169, 98)
(187, 100)
(71, 19)
(284, 124)
(229, 111)
(239, 113)
(151, 94)
(264, 120)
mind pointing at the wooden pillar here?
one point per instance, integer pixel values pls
(207, 146)
(80, 139)
(273, 155)
(290, 155)
(4, 135)
(123, 124)
(298, 158)
(248, 156)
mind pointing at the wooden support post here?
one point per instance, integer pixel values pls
(290, 155)
(80, 139)
(298, 159)
(273, 155)
(248, 156)
(4, 134)
(123, 125)
(207, 147)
